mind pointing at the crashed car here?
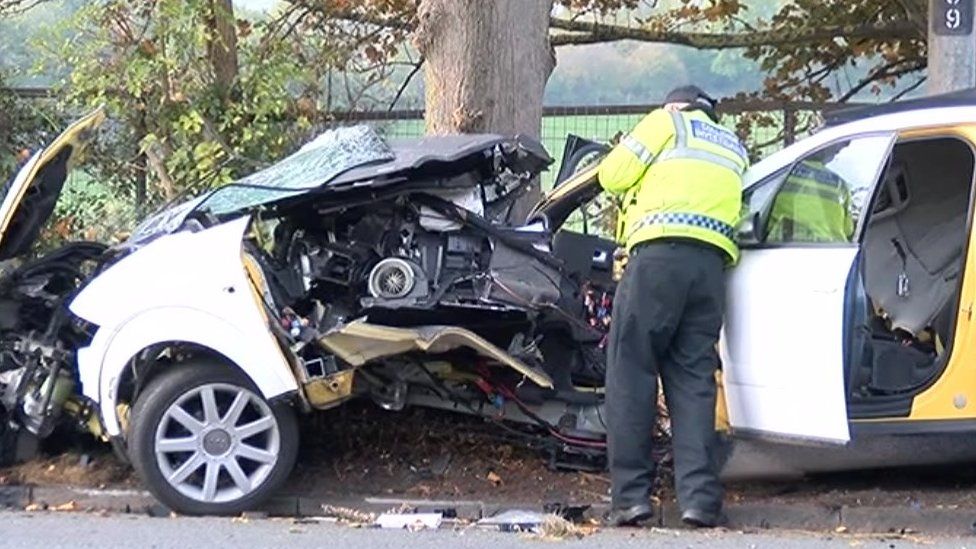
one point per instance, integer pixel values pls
(389, 270)
(355, 267)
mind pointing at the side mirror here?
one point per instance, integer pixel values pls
(748, 230)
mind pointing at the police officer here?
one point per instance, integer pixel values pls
(814, 205)
(679, 175)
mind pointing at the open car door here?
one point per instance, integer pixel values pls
(782, 345)
(578, 212)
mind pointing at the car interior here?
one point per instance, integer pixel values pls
(906, 284)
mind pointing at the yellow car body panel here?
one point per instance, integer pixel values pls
(952, 396)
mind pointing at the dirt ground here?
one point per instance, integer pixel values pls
(91, 467)
(363, 451)
(428, 454)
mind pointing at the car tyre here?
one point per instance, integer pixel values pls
(205, 442)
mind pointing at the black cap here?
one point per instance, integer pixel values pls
(690, 94)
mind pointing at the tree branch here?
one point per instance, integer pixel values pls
(390, 22)
(589, 32)
(406, 82)
(884, 72)
(17, 7)
(910, 89)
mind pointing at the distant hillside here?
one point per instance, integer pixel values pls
(635, 73)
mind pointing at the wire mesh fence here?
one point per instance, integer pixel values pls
(765, 127)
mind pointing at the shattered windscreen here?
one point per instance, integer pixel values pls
(315, 164)
(319, 161)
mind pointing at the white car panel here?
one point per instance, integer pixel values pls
(204, 298)
(923, 118)
(782, 344)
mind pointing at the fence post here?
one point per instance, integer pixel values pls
(789, 124)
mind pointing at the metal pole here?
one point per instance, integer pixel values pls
(789, 125)
(952, 46)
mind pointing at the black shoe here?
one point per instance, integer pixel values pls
(696, 518)
(631, 516)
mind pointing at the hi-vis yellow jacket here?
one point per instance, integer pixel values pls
(814, 205)
(680, 175)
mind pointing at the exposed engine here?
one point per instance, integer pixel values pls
(402, 255)
(434, 257)
(37, 342)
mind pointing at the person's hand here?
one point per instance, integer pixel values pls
(620, 258)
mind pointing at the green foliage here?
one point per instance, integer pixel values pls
(88, 209)
(21, 122)
(175, 129)
(18, 52)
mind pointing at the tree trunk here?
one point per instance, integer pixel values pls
(222, 46)
(486, 68)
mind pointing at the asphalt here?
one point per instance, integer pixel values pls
(53, 530)
(931, 520)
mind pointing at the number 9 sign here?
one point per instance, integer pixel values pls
(952, 17)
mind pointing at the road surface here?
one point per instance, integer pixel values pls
(56, 530)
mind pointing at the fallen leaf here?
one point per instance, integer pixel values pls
(33, 507)
(69, 506)
(841, 529)
(494, 478)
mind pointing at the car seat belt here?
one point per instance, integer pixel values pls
(903, 286)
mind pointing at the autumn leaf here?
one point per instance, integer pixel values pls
(494, 478)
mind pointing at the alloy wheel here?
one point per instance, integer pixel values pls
(217, 442)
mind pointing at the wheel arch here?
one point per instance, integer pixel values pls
(117, 355)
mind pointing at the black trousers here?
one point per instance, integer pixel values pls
(666, 320)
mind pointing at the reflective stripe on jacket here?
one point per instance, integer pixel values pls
(680, 175)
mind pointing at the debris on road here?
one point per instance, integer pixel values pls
(346, 514)
(412, 522)
(572, 513)
(555, 527)
(546, 526)
(515, 520)
(65, 507)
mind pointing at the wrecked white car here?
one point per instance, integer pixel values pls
(355, 267)
(359, 267)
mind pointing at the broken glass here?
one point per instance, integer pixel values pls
(312, 166)
(319, 161)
